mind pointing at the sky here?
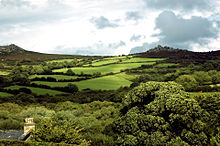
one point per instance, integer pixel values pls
(109, 27)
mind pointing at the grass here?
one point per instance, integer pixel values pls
(38, 91)
(127, 76)
(61, 60)
(111, 82)
(4, 94)
(142, 60)
(57, 77)
(165, 65)
(4, 73)
(114, 68)
(103, 62)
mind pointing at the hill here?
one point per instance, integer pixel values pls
(183, 57)
(12, 54)
(11, 49)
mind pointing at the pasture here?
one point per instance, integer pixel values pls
(114, 68)
(4, 94)
(37, 91)
(111, 82)
(4, 73)
(103, 62)
(61, 60)
(134, 59)
(57, 77)
(166, 65)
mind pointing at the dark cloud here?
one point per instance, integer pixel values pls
(135, 38)
(134, 15)
(176, 30)
(180, 4)
(181, 33)
(102, 22)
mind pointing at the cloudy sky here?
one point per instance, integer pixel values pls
(109, 27)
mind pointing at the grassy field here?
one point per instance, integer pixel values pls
(38, 91)
(165, 65)
(103, 62)
(111, 82)
(4, 73)
(114, 68)
(57, 77)
(127, 76)
(4, 94)
(142, 60)
(61, 60)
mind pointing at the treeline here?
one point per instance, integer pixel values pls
(154, 113)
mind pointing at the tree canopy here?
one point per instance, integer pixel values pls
(161, 113)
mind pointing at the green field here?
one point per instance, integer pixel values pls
(57, 77)
(142, 60)
(127, 76)
(165, 65)
(4, 73)
(111, 82)
(114, 68)
(61, 60)
(38, 91)
(103, 62)
(4, 94)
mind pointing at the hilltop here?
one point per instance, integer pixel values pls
(12, 54)
(11, 50)
(184, 57)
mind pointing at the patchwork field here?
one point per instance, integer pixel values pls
(142, 60)
(165, 65)
(111, 82)
(38, 91)
(103, 62)
(57, 77)
(4, 94)
(114, 68)
(61, 60)
(3, 73)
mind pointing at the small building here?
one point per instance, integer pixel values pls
(19, 134)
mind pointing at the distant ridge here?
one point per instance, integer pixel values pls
(165, 48)
(11, 49)
(179, 55)
(15, 53)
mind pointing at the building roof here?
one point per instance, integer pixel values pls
(12, 134)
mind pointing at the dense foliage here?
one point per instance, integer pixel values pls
(162, 113)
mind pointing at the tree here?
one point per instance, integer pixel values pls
(70, 72)
(49, 131)
(187, 81)
(160, 113)
(72, 88)
(201, 77)
(215, 75)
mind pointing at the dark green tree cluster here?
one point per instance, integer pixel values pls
(162, 113)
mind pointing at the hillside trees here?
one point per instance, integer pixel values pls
(49, 131)
(187, 81)
(202, 77)
(161, 113)
(215, 76)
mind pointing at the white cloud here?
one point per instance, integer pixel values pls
(53, 26)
